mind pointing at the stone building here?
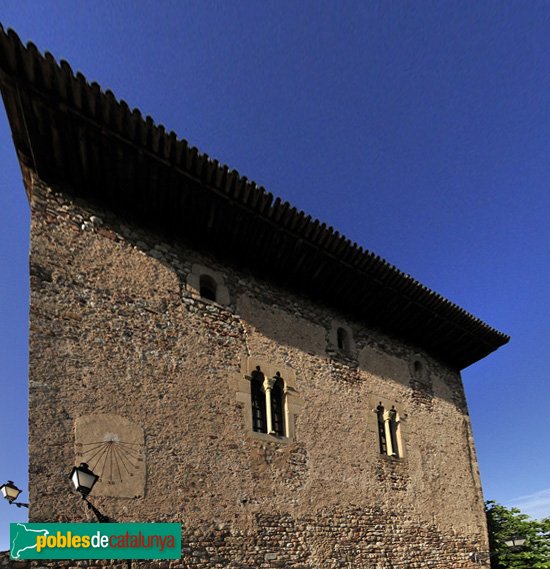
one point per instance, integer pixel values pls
(225, 361)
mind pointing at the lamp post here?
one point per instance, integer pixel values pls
(10, 492)
(513, 544)
(84, 479)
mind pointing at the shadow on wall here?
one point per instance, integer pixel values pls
(289, 320)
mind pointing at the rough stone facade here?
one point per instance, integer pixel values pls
(117, 329)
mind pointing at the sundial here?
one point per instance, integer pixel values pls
(112, 459)
(113, 447)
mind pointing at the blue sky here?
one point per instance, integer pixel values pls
(419, 129)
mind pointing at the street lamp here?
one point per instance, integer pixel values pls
(10, 492)
(84, 479)
(515, 542)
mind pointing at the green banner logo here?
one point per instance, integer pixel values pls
(95, 541)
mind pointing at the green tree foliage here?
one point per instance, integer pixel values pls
(507, 523)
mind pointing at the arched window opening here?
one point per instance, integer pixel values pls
(277, 407)
(342, 339)
(259, 415)
(271, 400)
(381, 429)
(417, 368)
(208, 287)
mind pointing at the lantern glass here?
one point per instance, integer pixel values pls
(515, 542)
(83, 478)
(10, 491)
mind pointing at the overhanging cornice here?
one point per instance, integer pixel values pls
(86, 142)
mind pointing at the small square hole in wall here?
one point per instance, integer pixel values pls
(340, 339)
(207, 284)
(208, 287)
(418, 368)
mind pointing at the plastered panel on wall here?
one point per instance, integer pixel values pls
(113, 447)
(383, 365)
(281, 326)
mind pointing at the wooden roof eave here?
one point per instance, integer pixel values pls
(57, 120)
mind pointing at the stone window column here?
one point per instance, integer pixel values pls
(388, 432)
(391, 427)
(268, 385)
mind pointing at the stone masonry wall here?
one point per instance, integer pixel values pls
(115, 330)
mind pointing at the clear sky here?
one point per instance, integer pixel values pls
(419, 129)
